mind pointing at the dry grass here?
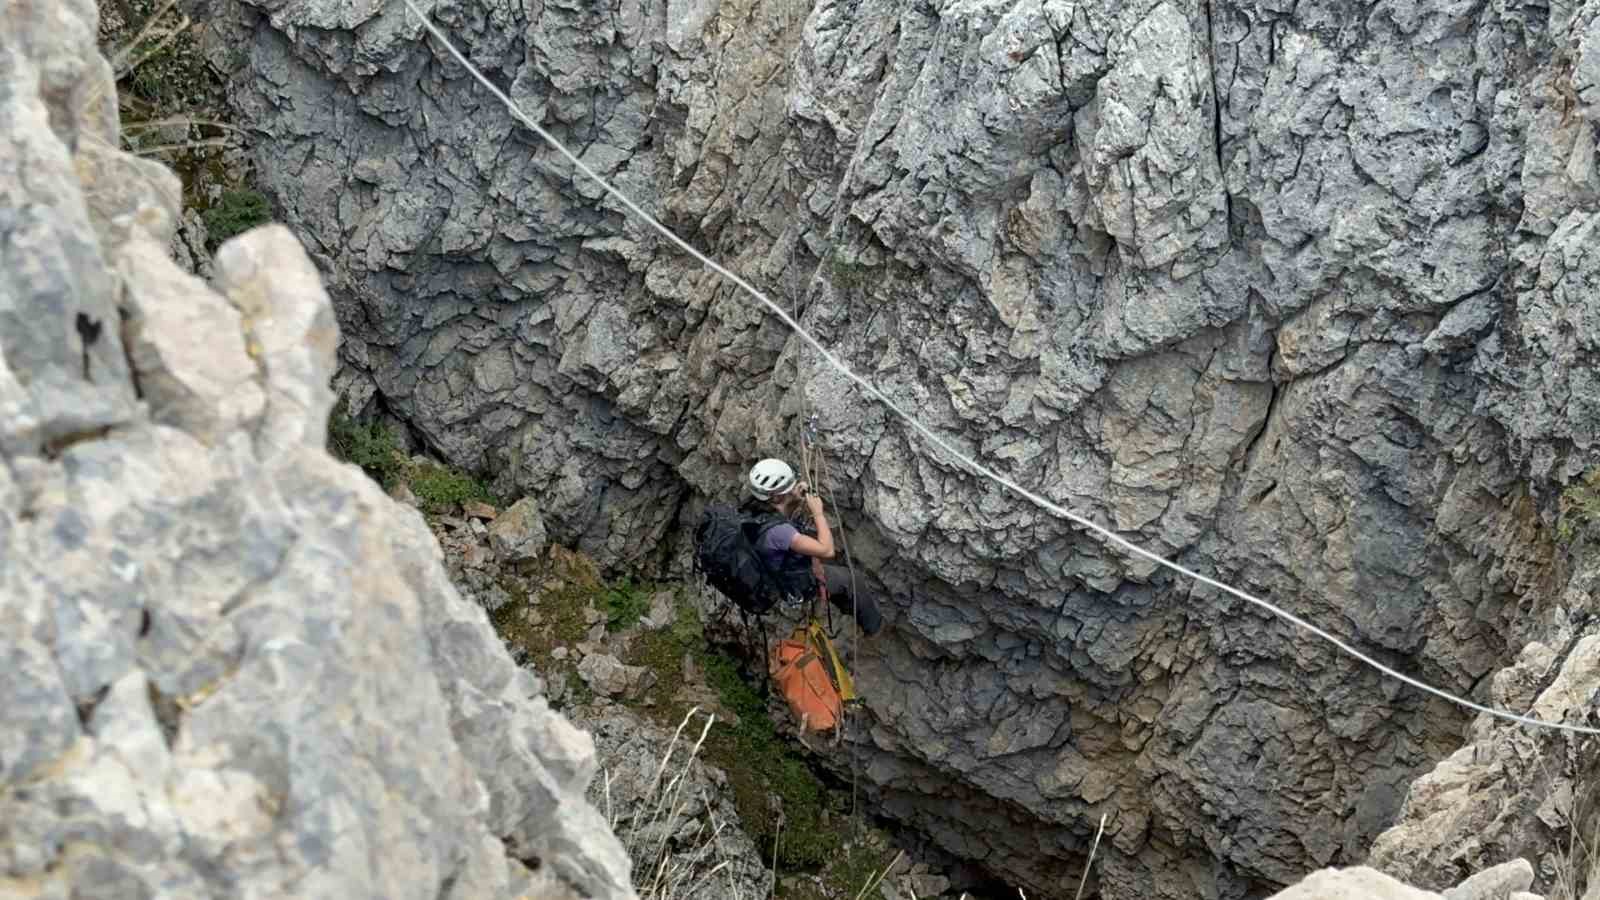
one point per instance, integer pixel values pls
(661, 871)
(1577, 875)
(169, 99)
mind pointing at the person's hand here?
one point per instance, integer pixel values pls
(813, 503)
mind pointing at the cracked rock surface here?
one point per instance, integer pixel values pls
(232, 666)
(1295, 294)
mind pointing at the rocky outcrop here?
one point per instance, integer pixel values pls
(1294, 293)
(233, 667)
(1504, 882)
(1510, 793)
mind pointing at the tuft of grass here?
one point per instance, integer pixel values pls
(1577, 869)
(235, 212)
(659, 872)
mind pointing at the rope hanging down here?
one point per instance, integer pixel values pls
(951, 452)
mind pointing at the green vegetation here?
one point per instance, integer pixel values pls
(816, 824)
(235, 212)
(369, 445)
(374, 447)
(164, 69)
(625, 604)
(171, 103)
(1579, 507)
(816, 836)
(857, 865)
(559, 617)
(441, 489)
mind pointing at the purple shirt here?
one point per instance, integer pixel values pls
(775, 544)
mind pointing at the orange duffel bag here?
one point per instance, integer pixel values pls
(799, 672)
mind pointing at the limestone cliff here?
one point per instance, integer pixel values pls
(1295, 293)
(232, 666)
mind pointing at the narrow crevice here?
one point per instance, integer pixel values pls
(124, 318)
(88, 332)
(168, 714)
(1216, 115)
(58, 445)
(88, 705)
(1266, 423)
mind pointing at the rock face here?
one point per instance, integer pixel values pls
(1294, 293)
(232, 666)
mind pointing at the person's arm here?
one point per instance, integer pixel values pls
(821, 546)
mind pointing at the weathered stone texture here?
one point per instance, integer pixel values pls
(1293, 293)
(232, 666)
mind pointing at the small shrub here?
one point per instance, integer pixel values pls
(371, 445)
(440, 489)
(625, 604)
(1579, 506)
(235, 212)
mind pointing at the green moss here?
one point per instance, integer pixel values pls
(372, 446)
(555, 616)
(1579, 507)
(235, 212)
(847, 275)
(759, 763)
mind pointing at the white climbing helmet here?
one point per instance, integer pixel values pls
(770, 477)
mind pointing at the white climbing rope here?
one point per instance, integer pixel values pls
(954, 454)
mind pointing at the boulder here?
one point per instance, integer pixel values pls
(518, 533)
(609, 677)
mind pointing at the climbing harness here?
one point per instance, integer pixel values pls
(950, 450)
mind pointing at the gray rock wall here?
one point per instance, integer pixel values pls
(232, 667)
(1294, 293)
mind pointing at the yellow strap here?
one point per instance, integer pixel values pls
(830, 656)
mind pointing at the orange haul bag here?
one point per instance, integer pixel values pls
(803, 679)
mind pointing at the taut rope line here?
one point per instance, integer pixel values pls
(954, 454)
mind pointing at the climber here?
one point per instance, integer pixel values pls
(785, 548)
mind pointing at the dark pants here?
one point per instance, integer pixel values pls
(862, 605)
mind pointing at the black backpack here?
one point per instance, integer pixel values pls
(725, 552)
